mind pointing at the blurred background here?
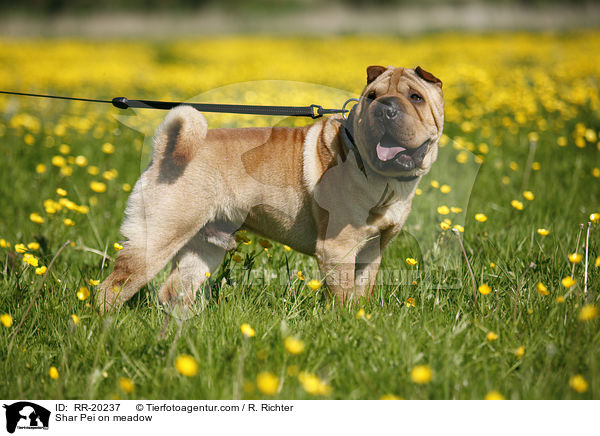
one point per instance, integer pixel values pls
(155, 18)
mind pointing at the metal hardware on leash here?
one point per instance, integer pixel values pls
(344, 110)
(314, 110)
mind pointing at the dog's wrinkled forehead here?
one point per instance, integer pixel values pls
(388, 80)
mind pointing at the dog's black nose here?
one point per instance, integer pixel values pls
(387, 108)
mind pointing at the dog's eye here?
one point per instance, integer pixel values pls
(416, 97)
(372, 95)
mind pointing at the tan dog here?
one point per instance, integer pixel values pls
(338, 189)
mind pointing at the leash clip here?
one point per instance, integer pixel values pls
(316, 111)
(346, 104)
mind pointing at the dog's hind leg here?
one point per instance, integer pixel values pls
(191, 267)
(153, 237)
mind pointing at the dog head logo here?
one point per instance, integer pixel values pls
(26, 415)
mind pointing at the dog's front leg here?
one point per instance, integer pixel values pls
(368, 261)
(337, 261)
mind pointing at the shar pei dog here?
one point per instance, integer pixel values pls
(339, 189)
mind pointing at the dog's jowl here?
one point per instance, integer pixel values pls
(339, 189)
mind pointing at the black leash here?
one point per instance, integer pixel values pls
(313, 111)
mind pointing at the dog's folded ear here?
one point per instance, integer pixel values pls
(427, 76)
(373, 72)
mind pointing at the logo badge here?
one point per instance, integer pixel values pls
(26, 415)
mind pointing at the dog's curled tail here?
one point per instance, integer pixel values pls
(180, 134)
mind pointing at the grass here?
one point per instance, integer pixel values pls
(362, 357)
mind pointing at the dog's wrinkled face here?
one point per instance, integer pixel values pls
(398, 122)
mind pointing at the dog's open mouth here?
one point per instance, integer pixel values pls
(388, 149)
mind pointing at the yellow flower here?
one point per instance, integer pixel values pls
(491, 336)
(313, 384)
(59, 161)
(455, 209)
(543, 232)
(410, 302)
(98, 187)
(207, 274)
(293, 345)
(126, 385)
(462, 157)
(520, 352)
(6, 320)
(40, 168)
(287, 248)
(444, 225)
(517, 204)
(53, 373)
(126, 187)
(300, 275)
(64, 149)
(575, 257)
(418, 191)
(536, 166)
(247, 331)
(459, 228)
(68, 222)
(560, 299)
(484, 289)
(36, 218)
(435, 184)
(494, 395)
(513, 166)
(20, 248)
(83, 293)
(117, 246)
(480, 217)
(360, 314)
(492, 265)
(41, 270)
(443, 210)
(561, 141)
(108, 148)
(528, 195)
(81, 161)
(578, 383)
(267, 383)
(421, 374)
(93, 170)
(33, 245)
(314, 284)
(411, 261)
(596, 172)
(61, 192)
(390, 397)
(30, 259)
(93, 282)
(186, 365)
(75, 319)
(542, 289)
(4, 243)
(588, 312)
(444, 189)
(597, 262)
(595, 217)
(568, 282)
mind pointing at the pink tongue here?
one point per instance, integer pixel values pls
(387, 153)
